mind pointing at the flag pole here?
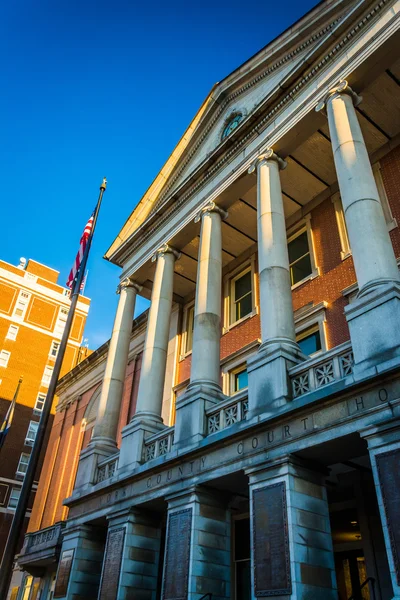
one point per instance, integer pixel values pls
(9, 415)
(19, 516)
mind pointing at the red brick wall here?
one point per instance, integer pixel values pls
(390, 170)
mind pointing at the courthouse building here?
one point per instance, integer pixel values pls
(242, 439)
(33, 311)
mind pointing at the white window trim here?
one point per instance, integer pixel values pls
(20, 295)
(340, 218)
(229, 279)
(185, 324)
(18, 472)
(12, 338)
(310, 317)
(236, 363)
(9, 498)
(232, 373)
(39, 410)
(292, 234)
(51, 356)
(7, 358)
(30, 441)
(43, 382)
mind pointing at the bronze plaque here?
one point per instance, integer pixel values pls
(64, 571)
(388, 465)
(177, 555)
(271, 542)
(112, 564)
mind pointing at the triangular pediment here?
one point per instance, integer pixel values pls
(239, 96)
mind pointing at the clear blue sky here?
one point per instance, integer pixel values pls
(96, 88)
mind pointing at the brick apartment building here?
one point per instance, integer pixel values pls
(242, 438)
(33, 311)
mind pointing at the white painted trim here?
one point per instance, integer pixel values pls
(8, 336)
(301, 227)
(38, 329)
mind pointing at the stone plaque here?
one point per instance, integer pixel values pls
(271, 541)
(112, 564)
(64, 571)
(177, 555)
(388, 465)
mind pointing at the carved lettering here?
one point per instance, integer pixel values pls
(254, 442)
(270, 436)
(304, 421)
(286, 431)
(240, 448)
(359, 403)
(383, 395)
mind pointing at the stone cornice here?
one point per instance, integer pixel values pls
(142, 235)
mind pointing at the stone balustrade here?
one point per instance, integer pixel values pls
(158, 444)
(322, 370)
(224, 414)
(106, 468)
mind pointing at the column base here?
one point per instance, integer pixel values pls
(373, 320)
(269, 384)
(141, 427)
(190, 425)
(97, 450)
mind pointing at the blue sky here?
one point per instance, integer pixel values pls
(98, 88)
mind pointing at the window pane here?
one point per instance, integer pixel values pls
(243, 285)
(298, 247)
(244, 307)
(301, 269)
(241, 380)
(311, 343)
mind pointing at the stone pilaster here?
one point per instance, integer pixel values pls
(268, 380)
(147, 419)
(384, 451)
(81, 558)
(373, 318)
(103, 442)
(205, 387)
(292, 552)
(131, 558)
(197, 552)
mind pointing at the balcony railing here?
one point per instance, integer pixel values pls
(226, 413)
(106, 468)
(321, 370)
(41, 547)
(158, 444)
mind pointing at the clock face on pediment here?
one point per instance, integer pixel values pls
(231, 125)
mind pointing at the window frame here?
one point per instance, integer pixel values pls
(7, 358)
(10, 337)
(292, 234)
(313, 317)
(59, 320)
(188, 318)
(22, 473)
(30, 441)
(229, 300)
(232, 375)
(26, 296)
(36, 409)
(43, 382)
(11, 498)
(51, 355)
(234, 363)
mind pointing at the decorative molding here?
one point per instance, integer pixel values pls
(165, 249)
(129, 283)
(211, 207)
(288, 98)
(342, 88)
(269, 155)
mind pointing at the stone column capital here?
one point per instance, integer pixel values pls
(165, 249)
(209, 208)
(128, 283)
(269, 155)
(342, 88)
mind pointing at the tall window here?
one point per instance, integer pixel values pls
(4, 358)
(48, 371)
(61, 320)
(54, 349)
(310, 340)
(299, 257)
(12, 333)
(241, 295)
(21, 305)
(40, 402)
(23, 464)
(14, 497)
(189, 329)
(31, 433)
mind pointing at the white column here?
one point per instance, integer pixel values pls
(277, 321)
(207, 318)
(151, 386)
(105, 430)
(373, 255)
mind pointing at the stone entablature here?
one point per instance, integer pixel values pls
(339, 409)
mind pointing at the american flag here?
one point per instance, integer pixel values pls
(84, 239)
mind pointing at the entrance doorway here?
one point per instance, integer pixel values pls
(241, 557)
(351, 573)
